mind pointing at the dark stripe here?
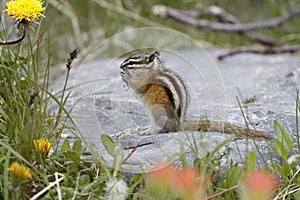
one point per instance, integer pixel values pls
(133, 62)
(178, 90)
(134, 57)
(170, 97)
(169, 94)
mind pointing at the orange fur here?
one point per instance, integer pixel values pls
(156, 94)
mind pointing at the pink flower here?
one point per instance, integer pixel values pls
(187, 182)
(260, 185)
(163, 174)
(190, 184)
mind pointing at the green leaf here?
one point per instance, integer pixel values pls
(197, 163)
(283, 136)
(281, 149)
(286, 171)
(118, 159)
(77, 147)
(233, 176)
(75, 158)
(297, 195)
(65, 146)
(276, 168)
(135, 182)
(84, 180)
(108, 143)
(251, 162)
(184, 162)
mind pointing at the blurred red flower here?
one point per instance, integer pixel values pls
(187, 182)
(261, 185)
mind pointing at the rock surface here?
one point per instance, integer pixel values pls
(101, 105)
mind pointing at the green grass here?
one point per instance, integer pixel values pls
(25, 76)
(25, 117)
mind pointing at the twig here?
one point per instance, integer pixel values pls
(259, 50)
(230, 23)
(222, 192)
(139, 145)
(261, 39)
(217, 26)
(127, 157)
(130, 154)
(11, 42)
(225, 17)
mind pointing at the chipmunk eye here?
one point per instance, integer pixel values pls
(131, 63)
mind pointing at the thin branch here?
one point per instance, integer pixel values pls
(228, 18)
(263, 40)
(217, 26)
(257, 50)
(222, 192)
(15, 41)
(223, 16)
(139, 145)
(130, 154)
(230, 23)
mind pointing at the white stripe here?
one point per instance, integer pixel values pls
(184, 101)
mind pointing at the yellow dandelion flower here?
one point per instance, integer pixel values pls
(42, 145)
(20, 170)
(28, 10)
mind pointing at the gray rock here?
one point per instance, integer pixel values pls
(101, 105)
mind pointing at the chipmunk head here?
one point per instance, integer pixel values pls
(140, 64)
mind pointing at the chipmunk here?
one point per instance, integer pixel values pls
(166, 97)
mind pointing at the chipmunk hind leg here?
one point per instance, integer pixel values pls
(161, 119)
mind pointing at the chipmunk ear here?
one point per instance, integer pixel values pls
(157, 52)
(152, 56)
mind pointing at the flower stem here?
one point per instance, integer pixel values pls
(222, 192)
(11, 42)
